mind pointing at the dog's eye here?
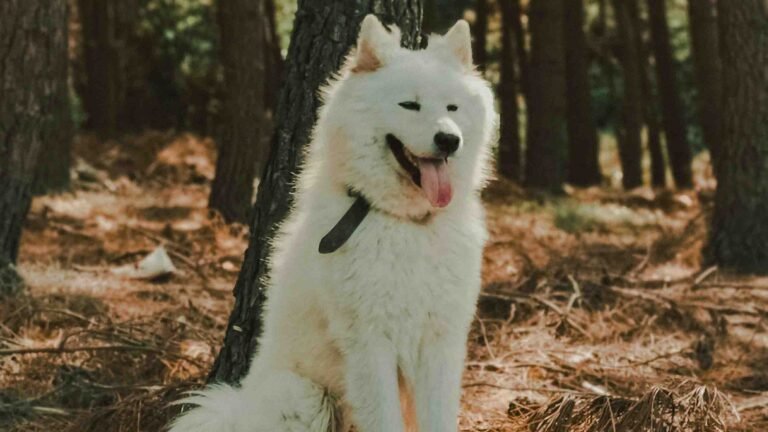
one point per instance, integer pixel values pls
(413, 106)
(452, 107)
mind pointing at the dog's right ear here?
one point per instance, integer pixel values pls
(374, 45)
(459, 42)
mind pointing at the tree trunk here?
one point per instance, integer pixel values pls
(708, 70)
(431, 21)
(54, 163)
(522, 53)
(324, 32)
(32, 43)
(275, 66)
(547, 125)
(628, 134)
(678, 148)
(658, 162)
(244, 57)
(275, 63)
(739, 235)
(509, 142)
(583, 151)
(440, 15)
(648, 100)
(480, 34)
(107, 26)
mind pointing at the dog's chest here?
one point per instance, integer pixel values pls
(407, 277)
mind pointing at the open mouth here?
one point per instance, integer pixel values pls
(428, 173)
(405, 158)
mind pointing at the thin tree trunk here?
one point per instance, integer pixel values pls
(678, 148)
(583, 151)
(273, 81)
(509, 142)
(604, 49)
(650, 112)
(658, 161)
(480, 34)
(324, 31)
(432, 15)
(547, 125)
(32, 42)
(275, 62)
(54, 163)
(628, 134)
(107, 26)
(522, 52)
(244, 58)
(440, 15)
(739, 235)
(708, 70)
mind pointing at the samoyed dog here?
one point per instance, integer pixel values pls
(376, 273)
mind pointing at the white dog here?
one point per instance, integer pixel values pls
(376, 273)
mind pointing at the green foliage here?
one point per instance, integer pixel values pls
(605, 71)
(179, 76)
(575, 217)
(184, 32)
(178, 40)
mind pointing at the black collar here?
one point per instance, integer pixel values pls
(342, 231)
(346, 226)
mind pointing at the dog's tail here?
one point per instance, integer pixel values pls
(282, 402)
(217, 409)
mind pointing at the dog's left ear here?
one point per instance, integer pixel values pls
(459, 41)
(374, 45)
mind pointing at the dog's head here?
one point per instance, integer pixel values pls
(410, 130)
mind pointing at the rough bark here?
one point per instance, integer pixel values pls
(547, 125)
(583, 151)
(324, 31)
(107, 26)
(509, 142)
(739, 235)
(480, 34)
(673, 120)
(244, 58)
(708, 70)
(32, 37)
(628, 133)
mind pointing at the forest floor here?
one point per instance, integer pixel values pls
(597, 313)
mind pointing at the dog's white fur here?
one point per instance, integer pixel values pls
(395, 301)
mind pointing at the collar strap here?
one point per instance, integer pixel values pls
(343, 230)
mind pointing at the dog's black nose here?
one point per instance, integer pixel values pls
(447, 143)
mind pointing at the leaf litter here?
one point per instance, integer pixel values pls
(596, 315)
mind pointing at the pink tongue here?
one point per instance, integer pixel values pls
(435, 181)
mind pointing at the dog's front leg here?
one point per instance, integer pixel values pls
(372, 387)
(438, 384)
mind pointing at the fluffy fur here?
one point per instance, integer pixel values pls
(388, 313)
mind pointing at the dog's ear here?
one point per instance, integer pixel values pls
(459, 41)
(374, 45)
